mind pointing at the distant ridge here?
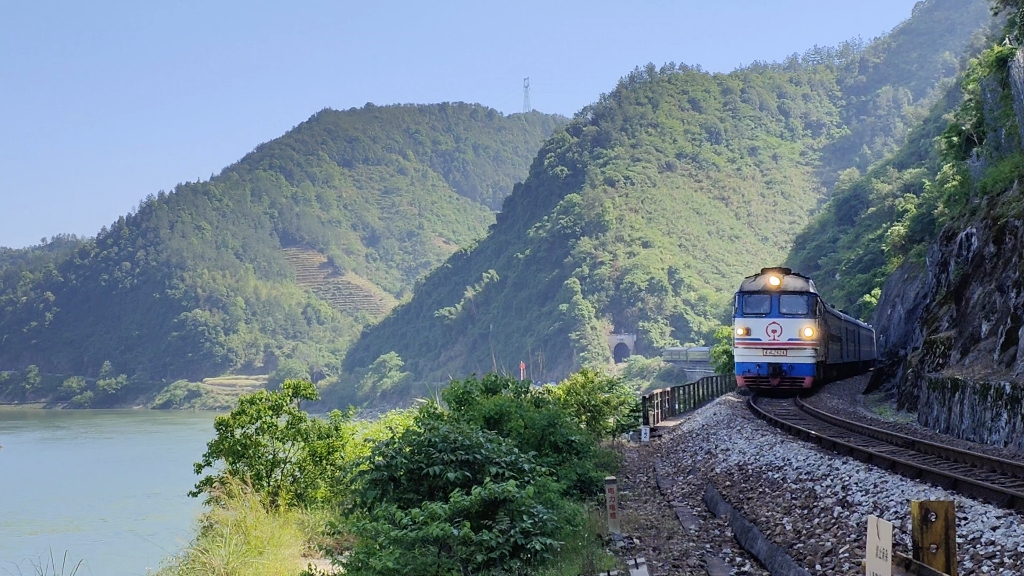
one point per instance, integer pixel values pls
(284, 255)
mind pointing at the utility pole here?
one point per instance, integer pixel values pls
(526, 95)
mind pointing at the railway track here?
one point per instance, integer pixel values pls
(993, 479)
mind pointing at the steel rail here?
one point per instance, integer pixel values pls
(992, 463)
(996, 480)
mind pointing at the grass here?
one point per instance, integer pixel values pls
(582, 552)
(884, 406)
(240, 536)
(48, 567)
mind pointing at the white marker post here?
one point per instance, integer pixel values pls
(645, 434)
(611, 498)
(879, 550)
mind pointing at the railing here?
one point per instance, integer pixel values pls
(659, 405)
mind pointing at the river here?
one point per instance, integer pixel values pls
(108, 487)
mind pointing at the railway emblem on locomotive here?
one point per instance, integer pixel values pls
(774, 331)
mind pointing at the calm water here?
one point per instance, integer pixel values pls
(107, 486)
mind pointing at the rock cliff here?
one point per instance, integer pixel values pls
(950, 329)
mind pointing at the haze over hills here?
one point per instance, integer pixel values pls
(641, 216)
(286, 253)
(936, 233)
(646, 212)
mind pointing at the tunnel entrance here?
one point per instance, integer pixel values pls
(621, 352)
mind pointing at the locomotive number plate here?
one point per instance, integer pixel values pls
(774, 352)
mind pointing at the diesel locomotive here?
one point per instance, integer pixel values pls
(785, 337)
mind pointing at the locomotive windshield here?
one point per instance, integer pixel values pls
(756, 304)
(794, 304)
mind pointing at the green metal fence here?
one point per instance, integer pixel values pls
(659, 405)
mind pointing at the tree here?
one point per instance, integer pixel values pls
(32, 379)
(289, 457)
(721, 352)
(602, 404)
(72, 387)
(290, 369)
(384, 374)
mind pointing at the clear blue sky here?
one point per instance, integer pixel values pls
(102, 102)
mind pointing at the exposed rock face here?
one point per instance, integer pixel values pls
(957, 326)
(950, 332)
(899, 309)
(1017, 88)
(988, 412)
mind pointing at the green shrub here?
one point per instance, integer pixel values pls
(177, 395)
(289, 457)
(603, 405)
(722, 358)
(83, 400)
(1000, 178)
(72, 387)
(445, 497)
(535, 422)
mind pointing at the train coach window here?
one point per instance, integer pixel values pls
(757, 304)
(793, 304)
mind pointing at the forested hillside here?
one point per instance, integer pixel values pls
(196, 282)
(645, 213)
(876, 218)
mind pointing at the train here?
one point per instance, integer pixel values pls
(688, 355)
(785, 337)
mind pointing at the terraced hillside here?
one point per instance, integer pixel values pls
(345, 292)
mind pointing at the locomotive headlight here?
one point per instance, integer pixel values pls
(775, 281)
(742, 331)
(807, 332)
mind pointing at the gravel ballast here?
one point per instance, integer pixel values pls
(812, 503)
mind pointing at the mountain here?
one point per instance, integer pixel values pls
(863, 232)
(287, 253)
(648, 209)
(643, 215)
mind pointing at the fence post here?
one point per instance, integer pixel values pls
(933, 532)
(645, 405)
(661, 405)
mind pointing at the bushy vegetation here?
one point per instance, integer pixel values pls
(722, 358)
(647, 211)
(498, 478)
(286, 455)
(193, 283)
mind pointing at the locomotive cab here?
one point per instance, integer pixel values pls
(786, 337)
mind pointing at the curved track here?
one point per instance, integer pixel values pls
(998, 481)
